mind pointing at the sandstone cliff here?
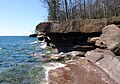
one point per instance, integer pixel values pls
(83, 26)
(95, 64)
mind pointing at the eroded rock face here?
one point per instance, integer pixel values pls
(79, 72)
(111, 38)
(67, 42)
(83, 26)
(43, 27)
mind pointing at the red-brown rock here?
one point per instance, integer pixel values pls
(79, 72)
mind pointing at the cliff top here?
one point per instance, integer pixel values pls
(83, 26)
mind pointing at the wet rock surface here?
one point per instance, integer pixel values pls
(79, 72)
(99, 66)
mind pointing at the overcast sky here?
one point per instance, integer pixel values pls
(19, 17)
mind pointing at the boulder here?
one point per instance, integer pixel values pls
(107, 61)
(79, 72)
(111, 38)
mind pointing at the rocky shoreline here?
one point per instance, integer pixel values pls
(82, 58)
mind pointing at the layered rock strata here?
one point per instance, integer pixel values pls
(83, 26)
(74, 34)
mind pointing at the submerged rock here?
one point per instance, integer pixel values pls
(23, 74)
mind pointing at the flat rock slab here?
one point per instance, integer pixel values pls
(79, 72)
(111, 65)
(97, 54)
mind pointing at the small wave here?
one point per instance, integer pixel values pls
(43, 45)
(34, 42)
(52, 66)
(0, 49)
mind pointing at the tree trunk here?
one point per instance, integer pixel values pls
(66, 9)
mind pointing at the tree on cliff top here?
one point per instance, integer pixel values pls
(74, 9)
(53, 9)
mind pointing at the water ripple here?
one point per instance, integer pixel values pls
(17, 66)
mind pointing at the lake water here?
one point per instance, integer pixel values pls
(17, 66)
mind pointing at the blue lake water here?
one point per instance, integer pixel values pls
(17, 66)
